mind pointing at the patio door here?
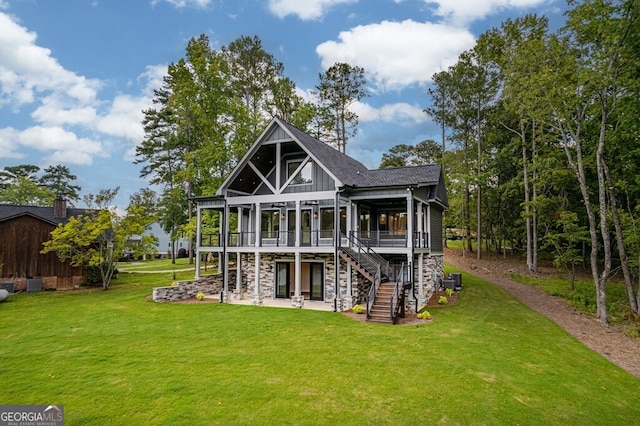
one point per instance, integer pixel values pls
(311, 280)
(283, 279)
(305, 227)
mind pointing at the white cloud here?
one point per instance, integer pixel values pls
(462, 12)
(184, 3)
(69, 119)
(154, 77)
(8, 145)
(28, 70)
(65, 146)
(392, 113)
(124, 118)
(304, 9)
(398, 54)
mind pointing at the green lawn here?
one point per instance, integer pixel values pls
(113, 357)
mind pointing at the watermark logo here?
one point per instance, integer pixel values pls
(31, 415)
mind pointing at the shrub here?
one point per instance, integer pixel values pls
(449, 292)
(443, 300)
(424, 315)
(358, 309)
(200, 296)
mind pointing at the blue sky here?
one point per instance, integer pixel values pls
(76, 74)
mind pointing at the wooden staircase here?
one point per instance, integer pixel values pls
(368, 267)
(381, 309)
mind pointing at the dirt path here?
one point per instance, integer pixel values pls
(607, 341)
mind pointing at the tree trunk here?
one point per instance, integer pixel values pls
(578, 168)
(479, 190)
(624, 264)
(527, 201)
(534, 193)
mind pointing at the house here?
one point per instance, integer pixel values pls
(303, 221)
(23, 230)
(163, 246)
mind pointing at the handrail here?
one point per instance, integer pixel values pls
(397, 297)
(372, 255)
(373, 291)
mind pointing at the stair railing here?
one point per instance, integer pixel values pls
(365, 250)
(373, 291)
(397, 298)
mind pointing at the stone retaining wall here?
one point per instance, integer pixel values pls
(209, 285)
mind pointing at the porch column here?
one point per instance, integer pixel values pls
(429, 223)
(225, 275)
(422, 297)
(297, 301)
(198, 239)
(239, 276)
(298, 281)
(420, 225)
(349, 281)
(257, 296)
(241, 236)
(410, 217)
(258, 225)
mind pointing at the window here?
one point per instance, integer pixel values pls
(270, 223)
(304, 175)
(326, 222)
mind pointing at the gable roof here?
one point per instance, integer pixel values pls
(353, 173)
(10, 211)
(348, 171)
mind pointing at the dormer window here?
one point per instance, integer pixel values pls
(303, 175)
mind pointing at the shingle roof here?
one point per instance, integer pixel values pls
(353, 173)
(9, 211)
(345, 168)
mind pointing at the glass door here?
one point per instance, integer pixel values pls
(317, 281)
(283, 279)
(305, 227)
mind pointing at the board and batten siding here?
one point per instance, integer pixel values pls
(436, 229)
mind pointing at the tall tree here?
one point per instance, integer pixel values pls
(515, 49)
(339, 87)
(59, 180)
(425, 152)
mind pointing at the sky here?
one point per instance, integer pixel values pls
(75, 75)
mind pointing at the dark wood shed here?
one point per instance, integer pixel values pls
(23, 230)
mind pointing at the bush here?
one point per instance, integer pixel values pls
(200, 296)
(449, 292)
(443, 300)
(358, 309)
(424, 315)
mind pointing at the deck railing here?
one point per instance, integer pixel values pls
(315, 238)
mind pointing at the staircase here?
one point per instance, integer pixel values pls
(381, 295)
(381, 309)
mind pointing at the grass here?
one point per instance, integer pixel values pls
(114, 357)
(583, 296)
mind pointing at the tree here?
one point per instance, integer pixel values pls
(338, 88)
(566, 239)
(10, 174)
(58, 179)
(101, 236)
(24, 191)
(425, 152)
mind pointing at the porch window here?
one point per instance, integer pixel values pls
(270, 223)
(398, 223)
(327, 224)
(304, 175)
